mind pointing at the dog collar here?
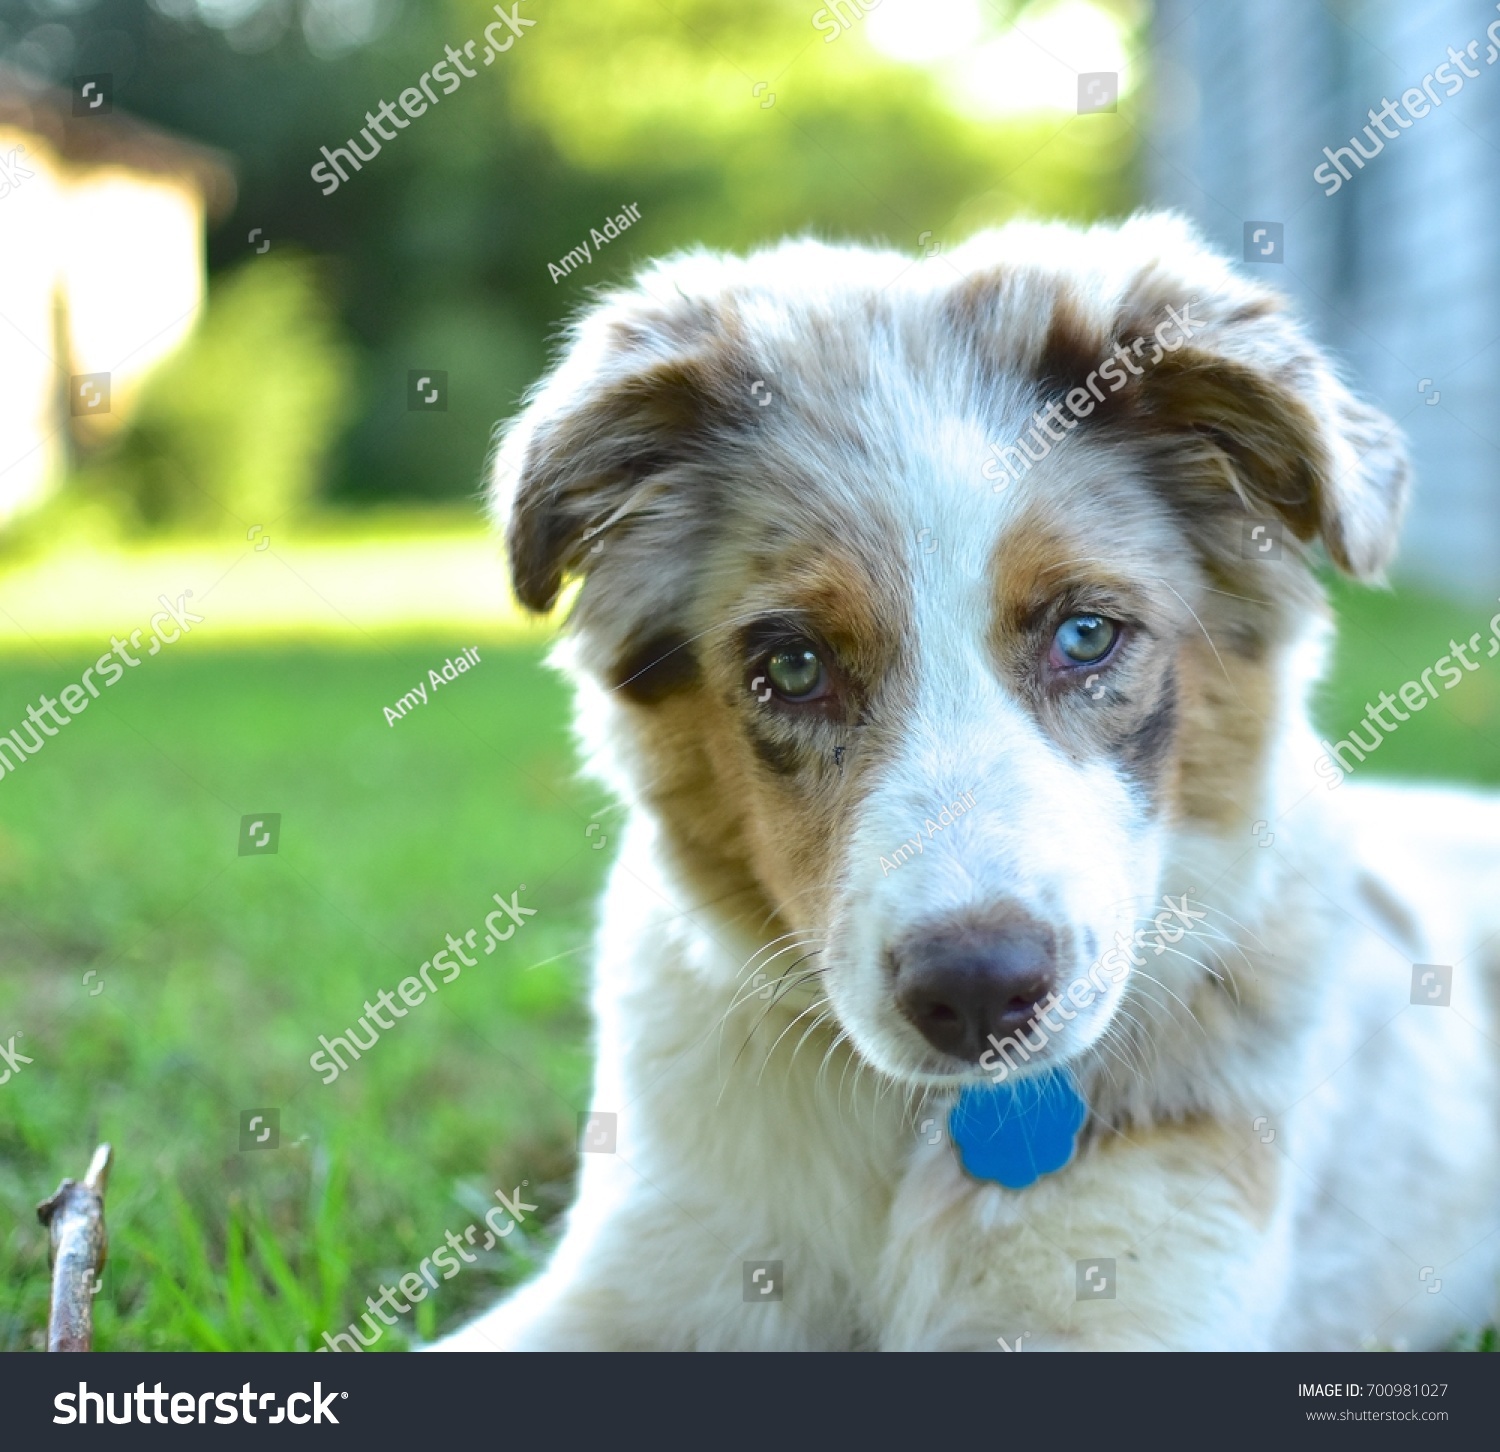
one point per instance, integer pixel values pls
(1013, 1134)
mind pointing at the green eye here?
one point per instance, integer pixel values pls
(795, 673)
(1085, 639)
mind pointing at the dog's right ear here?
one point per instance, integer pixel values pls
(650, 382)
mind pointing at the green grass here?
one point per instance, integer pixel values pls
(1387, 639)
(118, 856)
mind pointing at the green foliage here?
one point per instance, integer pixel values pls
(854, 143)
(442, 242)
(487, 360)
(235, 429)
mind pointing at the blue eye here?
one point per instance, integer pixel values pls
(1085, 639)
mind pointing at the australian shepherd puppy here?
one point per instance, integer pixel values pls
(947, 629)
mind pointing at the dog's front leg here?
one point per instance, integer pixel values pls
(583, 1300)
(644, 1265)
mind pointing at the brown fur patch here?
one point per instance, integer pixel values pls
(1189, 708)
(1043, 572)
(580, 465)
(783, 757)
(693, 777)
(648, 673)
(1265, 432)
(851, 607)
(1039, 559)
(1072, 348)
(751, 794)
(851, 602)
(1228, 707)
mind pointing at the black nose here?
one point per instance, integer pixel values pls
(961, 984)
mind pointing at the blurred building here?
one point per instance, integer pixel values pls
(1392, 253)
(102, 224)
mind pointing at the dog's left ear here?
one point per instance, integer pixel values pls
(648, 385)
(1248, 403)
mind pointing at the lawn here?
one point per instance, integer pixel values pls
(165, 985)
(1388, 638)
(219, 972)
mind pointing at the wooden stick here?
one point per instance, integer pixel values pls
(74, 1217)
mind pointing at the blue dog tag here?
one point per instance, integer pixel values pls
(1015, 1133)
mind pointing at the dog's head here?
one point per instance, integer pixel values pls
(928, 604)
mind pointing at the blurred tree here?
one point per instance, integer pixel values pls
(726, 123)
(235, 429)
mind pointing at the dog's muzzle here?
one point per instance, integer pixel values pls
(963, 984)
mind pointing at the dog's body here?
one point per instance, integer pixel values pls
(1283, 1149)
